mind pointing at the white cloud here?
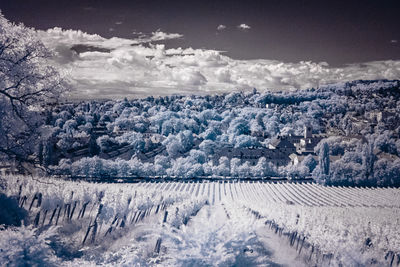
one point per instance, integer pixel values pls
(126, 67)
(221, 27)
(159, 36)
(118, 22)
(393, 41)
(244, 26)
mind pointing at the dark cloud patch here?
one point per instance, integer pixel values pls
(82, 48)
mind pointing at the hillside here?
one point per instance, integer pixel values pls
(243, 135)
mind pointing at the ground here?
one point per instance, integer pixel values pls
(235, 223)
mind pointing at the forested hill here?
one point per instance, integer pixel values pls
(351, 136)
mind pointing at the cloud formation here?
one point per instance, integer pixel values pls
(159, 36)
(244, 26)
(118, 67)
(221, 27)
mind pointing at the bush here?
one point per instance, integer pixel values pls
(11, 213)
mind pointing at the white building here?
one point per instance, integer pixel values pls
(308, 142)
(252, 155)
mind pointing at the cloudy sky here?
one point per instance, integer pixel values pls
(135, 48)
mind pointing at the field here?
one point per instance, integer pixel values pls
(201, 223)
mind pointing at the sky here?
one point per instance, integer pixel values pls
(160, 47)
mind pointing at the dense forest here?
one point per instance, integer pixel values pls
(355, 135)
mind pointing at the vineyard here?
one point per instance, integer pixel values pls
(201, 223)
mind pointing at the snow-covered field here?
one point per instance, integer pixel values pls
(200, 224)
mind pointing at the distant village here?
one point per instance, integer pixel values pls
(281, 151)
